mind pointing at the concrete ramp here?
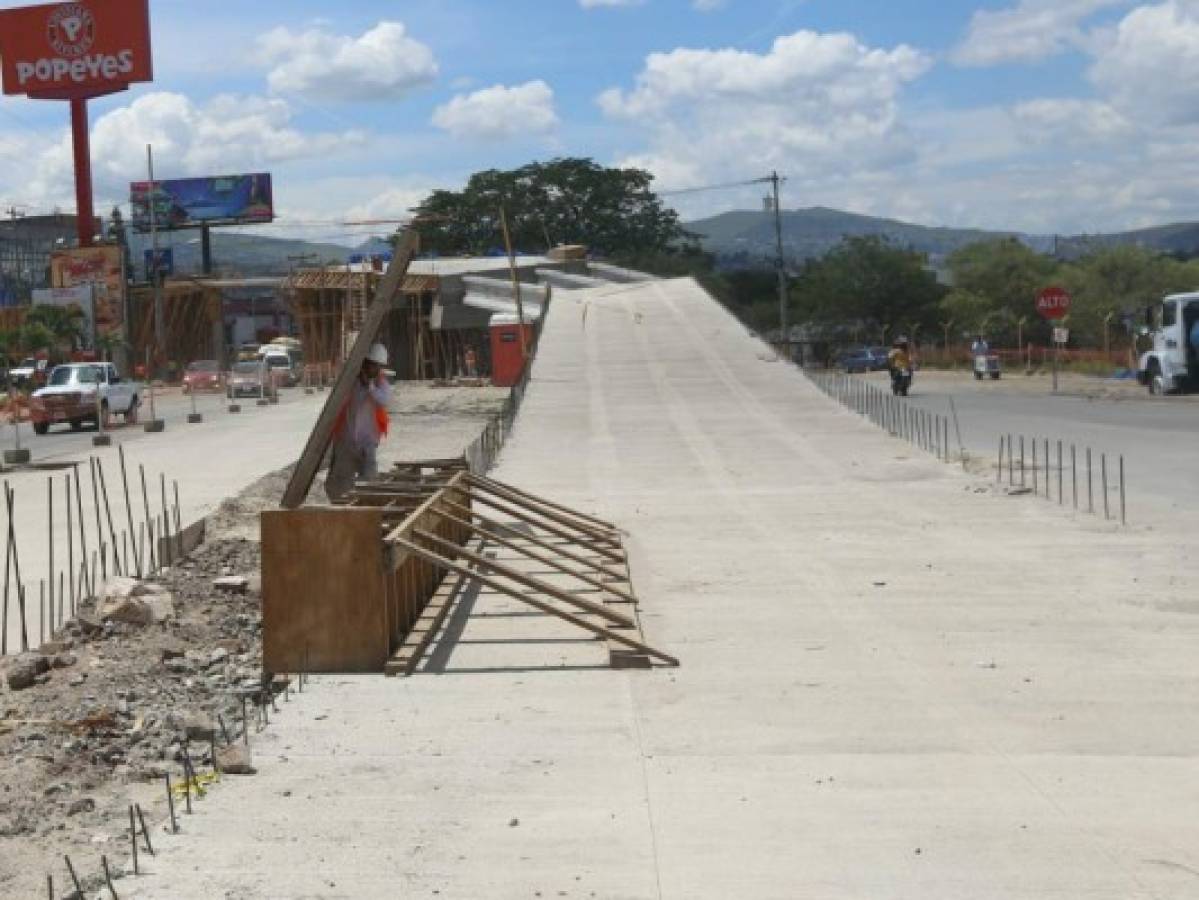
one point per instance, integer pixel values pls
(894, 683)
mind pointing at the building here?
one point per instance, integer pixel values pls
(26, 243)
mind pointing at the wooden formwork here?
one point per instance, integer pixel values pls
(366, 586)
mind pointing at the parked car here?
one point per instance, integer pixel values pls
(283, 372)
(250, 379)
(202, 375)
(84, 392)
(31, 372)
(880, 357)
(859, 359)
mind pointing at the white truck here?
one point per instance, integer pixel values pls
(84, 392)
(1172, 364)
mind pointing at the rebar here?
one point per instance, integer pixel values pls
(70, 548)
(1103, 469)
(171, 805)
(1022, 482)
(145, 830)
(1090, 489)
(82, 528)
(133, 839)
(137, 560)
(1035, 489)
(50, 541)
(108, 878)
(1060, 499)
(1123, 511)
(1074, 474)
(155, 563)
(74, 877)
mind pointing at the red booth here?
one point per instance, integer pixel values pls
(506, 359)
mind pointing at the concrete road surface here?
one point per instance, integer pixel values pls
(211, 461)
(1158, 436)
(895, 682)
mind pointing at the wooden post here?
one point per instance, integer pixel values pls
(520, 310)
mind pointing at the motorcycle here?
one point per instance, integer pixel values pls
(901, 382)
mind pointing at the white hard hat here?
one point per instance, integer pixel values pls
(378, 354)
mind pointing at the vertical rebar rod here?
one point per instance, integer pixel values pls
(999, 461)
(1060, 500)
(1047, 468)
(1090, 489)
(155, 563)
(133, 839)
(1074, 474)
(74, 876)
(1103, 469)
(1022, 476)
(7, 559)
(1035, 489)
(50, 539)
(137, 561)
(1011, 465)
(145, 830)
(166, 514)
(108, 877)
(171, 805)
(99, 528)
(82, 527)
(70, 545)
(178, 521)
(112, 532)
(1123, 509)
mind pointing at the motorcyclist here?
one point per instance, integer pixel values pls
(899, 361)
(980, 347)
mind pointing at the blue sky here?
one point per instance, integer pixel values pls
(1043, 115)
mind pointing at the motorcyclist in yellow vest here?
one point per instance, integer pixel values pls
(898, 360)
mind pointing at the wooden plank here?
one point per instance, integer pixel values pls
(567, 519)
(482, 479)
(324, 604)
(405, 660)
(318, 441)
(543, 559)
(535, 602)
(598, 564)
(604, 548)
(519, 577)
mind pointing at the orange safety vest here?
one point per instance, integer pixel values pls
(382, 420)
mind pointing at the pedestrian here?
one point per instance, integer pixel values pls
(360, 426)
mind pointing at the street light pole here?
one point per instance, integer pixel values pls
(156, 279)
(780, 264)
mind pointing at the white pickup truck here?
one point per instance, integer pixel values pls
(84, 392)
(1172, 364)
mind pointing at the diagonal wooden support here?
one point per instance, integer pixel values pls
(504, 487)
(595, 532)
(609, 633)
(519, 577)
(604, 548)
(543, 559)
(500, 527)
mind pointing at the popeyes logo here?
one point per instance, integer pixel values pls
(71, 30)
(75, 49)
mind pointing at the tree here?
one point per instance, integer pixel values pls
(1116, 281)
(612, 211)
(1007, 275)
(63, 325)
(869, 282)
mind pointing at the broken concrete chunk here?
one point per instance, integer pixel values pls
(232, 584)
(162, 606)
(199, 728)
(23, 671)
(129, 610)
(235, 760)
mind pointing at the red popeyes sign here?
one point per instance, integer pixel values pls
(74, 50)
(1053, 303)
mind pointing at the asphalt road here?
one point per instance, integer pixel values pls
(1158, 437)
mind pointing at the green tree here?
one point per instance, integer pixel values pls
(868, 282)
(1007, 275)
(64, 325)
(564, 201)
(1116, 281)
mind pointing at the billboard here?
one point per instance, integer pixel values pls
(83, 49)
(102, 266)
(84, 297)
(192, 202)
(166, 263)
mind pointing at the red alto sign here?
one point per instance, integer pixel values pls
(75, 50)
(1053, 303)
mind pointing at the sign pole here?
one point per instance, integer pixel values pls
(1057, 350)
(85, 224)
(155, 275)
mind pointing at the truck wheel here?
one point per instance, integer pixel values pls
(994, 376)
(41, 427)
(978, 376)
(77, 424)
(131, 413)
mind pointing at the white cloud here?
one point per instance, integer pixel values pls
(1150, 64)
(382, 64)
(1067, 121)
(819, 103)
(1029, 31)
(228, 134)
(499, 111)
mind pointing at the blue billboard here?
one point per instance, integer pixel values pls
(193, 202)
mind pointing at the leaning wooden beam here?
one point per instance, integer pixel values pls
(438, 560)
(604, 548)
(496, 489)
(541, 558)
(491, 482)
(532, 539)
(520, 577)
(318, 441)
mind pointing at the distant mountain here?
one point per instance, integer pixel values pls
(748, 236)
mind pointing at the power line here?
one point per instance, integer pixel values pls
(715, 187)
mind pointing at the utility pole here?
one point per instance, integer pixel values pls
(159, 330)
(780, 264)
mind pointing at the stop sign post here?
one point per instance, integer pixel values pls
(1054, 303)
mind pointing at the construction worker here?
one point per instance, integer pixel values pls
(360, 425)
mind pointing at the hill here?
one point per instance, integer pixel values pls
(243, 254)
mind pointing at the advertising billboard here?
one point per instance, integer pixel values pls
(83, 49)
(192, 202)
(83, 297)
(100, 266)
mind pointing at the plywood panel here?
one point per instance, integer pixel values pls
(323, 589)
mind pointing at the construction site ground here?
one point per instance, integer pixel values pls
(104, 728)
(897, 681)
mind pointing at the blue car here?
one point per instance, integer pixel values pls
(860, 359)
